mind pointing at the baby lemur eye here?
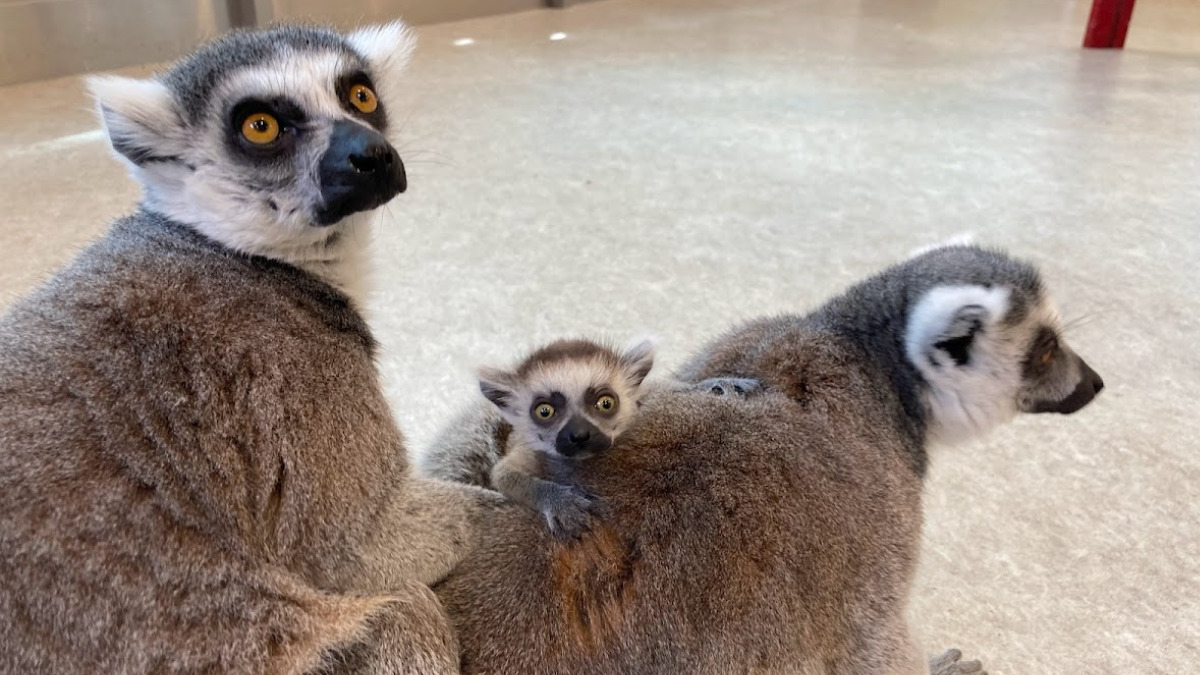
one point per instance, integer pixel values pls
(363, 99)
(260, 128)
(544, 411)
(606, 403)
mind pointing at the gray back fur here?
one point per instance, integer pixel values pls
(195, 458)
(777, 533)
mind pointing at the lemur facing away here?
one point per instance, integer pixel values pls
(564, 402)
(777, 532)
(198, 469)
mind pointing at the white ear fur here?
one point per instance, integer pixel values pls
(959, 323)
(498, 386)
(964, 239)
(638, 358)
(387, 48)
(140, 117)
(944, 313)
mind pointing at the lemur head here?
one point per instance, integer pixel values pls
(266, 141)
(571, 397)
(984, 336)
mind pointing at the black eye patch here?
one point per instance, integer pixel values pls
(1044, 342)
(556, 401)
(289, 117)
(376, 118)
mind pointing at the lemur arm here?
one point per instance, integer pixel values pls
(423, 533)
(565, 509)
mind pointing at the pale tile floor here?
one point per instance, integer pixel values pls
(672, 166)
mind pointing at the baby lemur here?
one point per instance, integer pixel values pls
(564, 402)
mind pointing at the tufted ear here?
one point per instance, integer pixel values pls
(637, 359)
(387, 48)
(945, 328)
(141, 118)
(499, 387)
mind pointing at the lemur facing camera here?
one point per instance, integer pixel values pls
(199, 471)
(564, 402)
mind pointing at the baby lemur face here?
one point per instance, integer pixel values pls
(266, 141)
(572, 397)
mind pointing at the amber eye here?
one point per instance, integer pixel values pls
(1047, 355)
(606, 403)
(260, 128)
(544, 411)
(363, 98)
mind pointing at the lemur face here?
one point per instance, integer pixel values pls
(267, 141)
(990, 349)
(572, 397)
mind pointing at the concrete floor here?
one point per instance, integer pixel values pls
(672, 166)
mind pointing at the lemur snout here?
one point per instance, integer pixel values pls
(360, 171)
(375, 158)
(580, 437)
(1089, 386)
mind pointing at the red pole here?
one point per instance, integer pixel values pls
(1108, 24)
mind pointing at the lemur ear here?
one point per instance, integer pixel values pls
(387, 49)
(947, 323)
(637, 359)
(140, 117)
(499, 387)
(963, 239)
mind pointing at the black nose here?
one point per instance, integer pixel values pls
(579, 437)
(1097, 384)
(359, 171)
(375, 158)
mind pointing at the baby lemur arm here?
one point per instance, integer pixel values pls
(565, 509)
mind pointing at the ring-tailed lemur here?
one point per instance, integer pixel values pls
(564, 402)
(779, 532)
(198, 468)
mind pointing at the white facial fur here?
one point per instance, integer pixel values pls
(968, 400)
(573, 378)
(257, 213)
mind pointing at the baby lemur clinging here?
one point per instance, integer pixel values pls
(564, 402)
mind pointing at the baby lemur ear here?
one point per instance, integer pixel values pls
(948, 324)
(141, 118)
(637, 359)
(387, 48)
(499, 387)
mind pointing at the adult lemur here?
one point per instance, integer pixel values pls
(198, 470)
(779, 533)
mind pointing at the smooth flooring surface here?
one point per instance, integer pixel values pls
(673, 166)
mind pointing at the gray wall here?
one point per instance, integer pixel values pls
(40, 39)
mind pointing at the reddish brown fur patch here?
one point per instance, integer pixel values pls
(594, 578)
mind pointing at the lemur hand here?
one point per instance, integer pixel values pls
(728, 386)
(568, 511)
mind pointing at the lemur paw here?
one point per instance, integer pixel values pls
(949, 664)
(728, 386)
(569, 514)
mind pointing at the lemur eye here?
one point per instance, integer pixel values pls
(606, 403)
(260, 128)
(1047, 355)
(544, 411)
(362, 98)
